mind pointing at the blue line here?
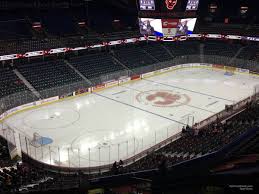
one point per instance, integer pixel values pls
(138, 108)
(188, 90)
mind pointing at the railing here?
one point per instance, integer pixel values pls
(100, 157)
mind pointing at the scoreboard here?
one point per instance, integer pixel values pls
(167, 8)
(166, 27)
(192, 5)
(167, 18)
(147, 4)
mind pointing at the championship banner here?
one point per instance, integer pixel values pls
(169, 26)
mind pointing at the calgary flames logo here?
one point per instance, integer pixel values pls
(162, 98)
(170, 4)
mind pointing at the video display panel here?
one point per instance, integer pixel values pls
(192, 5)
(147, 5)
(186, 26)
(166, 27)
(150, 26)
(169, 27)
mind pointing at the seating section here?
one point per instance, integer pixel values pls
(94, 65)
(49, 74)
(121, 35)
(183, 48)
(23, 46)
(24, 178)
(59, 22)
(191, 144)
(221, 48)
(158, 51)
(56, 73)
(14, 28)
(134, 56)
(20, 177)
(227, 29)
(209, 139)
(92, 37)
(250, 52)
(4, 153)
(250, 147)
(10, 83)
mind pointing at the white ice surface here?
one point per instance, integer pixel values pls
(114, 124)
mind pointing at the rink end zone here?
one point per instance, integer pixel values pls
(41, 105)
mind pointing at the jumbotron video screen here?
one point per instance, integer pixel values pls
(166, 27)
(168, 5)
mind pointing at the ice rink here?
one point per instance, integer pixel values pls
(116, 123)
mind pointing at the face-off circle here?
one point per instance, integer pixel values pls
(163, 98)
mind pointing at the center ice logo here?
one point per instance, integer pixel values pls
(162, 98)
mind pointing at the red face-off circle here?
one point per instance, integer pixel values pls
(162, 98)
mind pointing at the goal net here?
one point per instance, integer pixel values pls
(186, 120)
(37, 140)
